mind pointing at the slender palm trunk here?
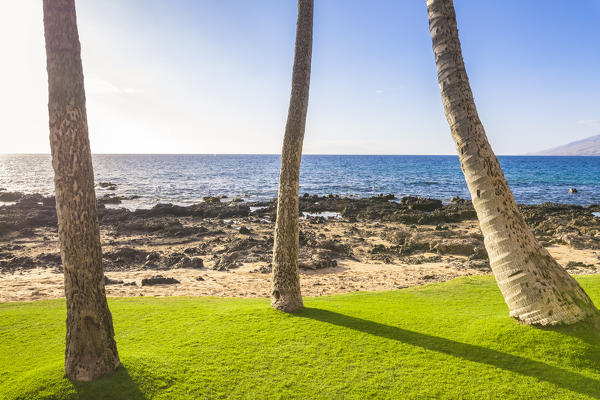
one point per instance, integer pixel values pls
(91, 351)
(285, 291)
(536, 289)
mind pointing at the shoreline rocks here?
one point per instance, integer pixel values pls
(159, 280)
(224, 235)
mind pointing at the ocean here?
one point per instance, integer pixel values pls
(185, 179)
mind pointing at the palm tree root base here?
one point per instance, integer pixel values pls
(288, 302)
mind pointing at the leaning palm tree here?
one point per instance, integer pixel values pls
(285, 291)
(536, 288)
(91, 351)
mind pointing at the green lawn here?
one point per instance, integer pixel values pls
(452, 340)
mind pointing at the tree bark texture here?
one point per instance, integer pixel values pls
(285, 291)
(536, 288)
(91, 351)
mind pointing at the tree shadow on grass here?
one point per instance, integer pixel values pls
(558, 376)
(117, 385)
(588, 331)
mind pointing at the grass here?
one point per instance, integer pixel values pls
(452, 340)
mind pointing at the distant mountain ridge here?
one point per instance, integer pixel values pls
(584, 147)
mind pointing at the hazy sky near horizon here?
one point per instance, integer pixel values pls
(213, 76)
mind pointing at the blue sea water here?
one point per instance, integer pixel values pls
(185, 179)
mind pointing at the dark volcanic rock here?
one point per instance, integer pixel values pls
(211, 199)
(336, 246)
(245, 231)
(109, 199)
(203, 210)
(415, 260)
(31, 211)
(159, 280)
(317, 264)
(320, 260)
(124, 257)
(11, 264)
(263, 269)
(108, 185)
(190, 251)
(227, 261)
(572, 225)
(414, 225)
(11, 196)
(421, 203)
(482, 265)
(189, 262)
(462, 247)
(153, 256)
(165, 226)
(173, 258)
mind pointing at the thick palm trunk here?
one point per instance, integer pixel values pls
(536, 289)
(91, 351)
(285, 293)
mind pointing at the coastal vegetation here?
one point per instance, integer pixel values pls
(91, 351)
(536, 289)
(444, 341)
(286, 295)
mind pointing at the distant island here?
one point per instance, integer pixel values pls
(584, 147)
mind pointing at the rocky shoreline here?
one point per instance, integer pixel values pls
(237, 237)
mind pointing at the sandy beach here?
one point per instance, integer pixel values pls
(348, 276)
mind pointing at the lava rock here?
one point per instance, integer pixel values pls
(227, 262)
(462, 247)
(123, 257)
(11, 196)
(190, 251)
(109, 199)
(190, 262)
(320, 260)
(421, 203)
(159, 280)
(173, 258)
(211, 199)
(263, 269)
(153, 256)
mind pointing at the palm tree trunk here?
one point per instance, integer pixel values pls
(536, 289)
(285, 291)
(91, 351)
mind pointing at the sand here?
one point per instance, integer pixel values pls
(348, 276)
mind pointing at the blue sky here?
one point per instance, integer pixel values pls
(214, 76)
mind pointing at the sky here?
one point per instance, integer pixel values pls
(214, 76)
